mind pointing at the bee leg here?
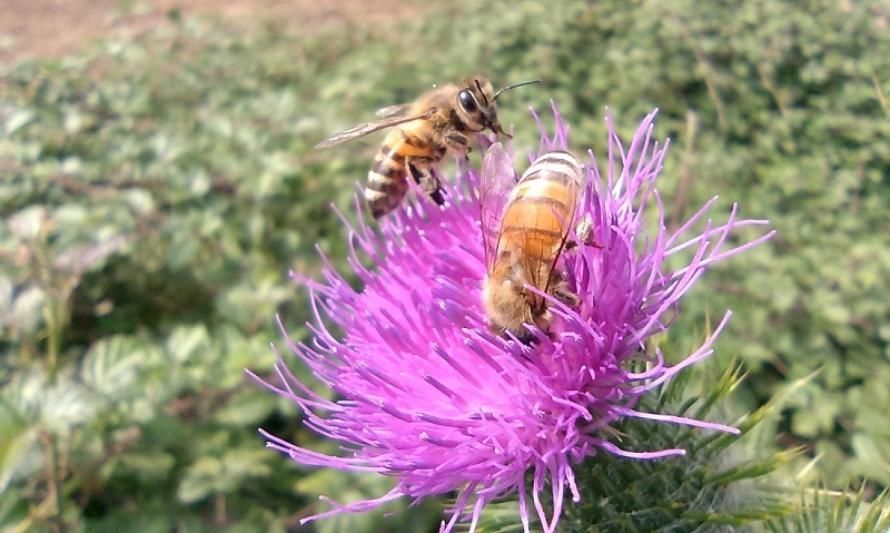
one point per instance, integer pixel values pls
(584, 234)
(566, 296)
(541, 321)
(463, 166)
(584, 230)
(460, 143)
(526, 337)
(561, 291)
(425, 176)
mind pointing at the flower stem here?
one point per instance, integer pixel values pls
(53, 337)
(53, 482)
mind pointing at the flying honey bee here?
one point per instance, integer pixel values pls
(435, 124)
(526, 226)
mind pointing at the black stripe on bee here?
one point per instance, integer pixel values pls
(456, 122)
(385, 186)
(554, 168)
(387, 152)
(552, 202)
(388, 168)
(550, 174)
(415, 142)
(553, 153)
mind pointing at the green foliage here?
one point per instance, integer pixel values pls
(836, 512)
(156, 192)
(153, 214)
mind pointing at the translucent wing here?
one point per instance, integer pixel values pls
(542, 269)
(553, 257)
(370, 127)
(496, 185)
(392, 110)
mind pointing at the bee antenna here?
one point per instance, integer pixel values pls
(481, 92)
(515, 85)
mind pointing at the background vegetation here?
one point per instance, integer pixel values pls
(155, 192)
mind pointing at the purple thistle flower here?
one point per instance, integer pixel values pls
(433, 399)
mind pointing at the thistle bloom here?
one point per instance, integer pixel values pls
(431, 398)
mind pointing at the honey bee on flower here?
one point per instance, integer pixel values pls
(434, 399)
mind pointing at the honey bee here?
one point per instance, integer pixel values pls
(435, 124)
(526, 226)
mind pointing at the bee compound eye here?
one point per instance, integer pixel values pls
(467, 101)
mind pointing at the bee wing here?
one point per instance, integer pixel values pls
(392, 110)
(370, 127)
(554, 257)
(497, 182)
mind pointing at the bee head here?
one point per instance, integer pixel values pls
(477, 107)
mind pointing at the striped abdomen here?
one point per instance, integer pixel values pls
(539, 212)
(387, 179)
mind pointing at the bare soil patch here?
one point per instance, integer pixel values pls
(55, 28)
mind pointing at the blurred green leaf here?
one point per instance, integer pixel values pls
(147, 520)
(66, 405)
(17, 439)
(184, 342)
(18, 119)
(146, 467)
(111, 366)
(25, 316)
(27, 223)
(246, 408)
(210, 475)
(13, 509)
(870, 453)
(202, 478)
